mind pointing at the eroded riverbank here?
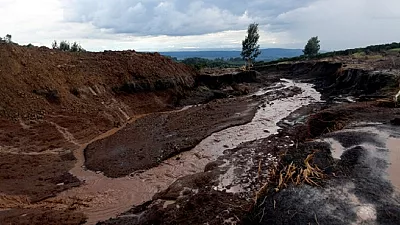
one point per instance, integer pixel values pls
(102, 197)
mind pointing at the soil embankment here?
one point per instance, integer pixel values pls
(339, 79)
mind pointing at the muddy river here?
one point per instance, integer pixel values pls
(101, 197)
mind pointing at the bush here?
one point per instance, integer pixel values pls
(67, 47)
(64, 46)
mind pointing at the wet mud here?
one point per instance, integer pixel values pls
(237, 155)
(103, 197)
(360, 159)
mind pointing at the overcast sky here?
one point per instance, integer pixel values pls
(162, 25)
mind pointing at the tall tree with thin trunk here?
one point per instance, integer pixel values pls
(312, 47)
(250, 46)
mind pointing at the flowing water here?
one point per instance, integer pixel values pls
(105, 197)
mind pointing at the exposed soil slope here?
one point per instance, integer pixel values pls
(51, 102)
(41, 80)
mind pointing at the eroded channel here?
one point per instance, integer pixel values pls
(103, 197)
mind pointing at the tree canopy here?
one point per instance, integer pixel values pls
(250, 47)
(312, 47)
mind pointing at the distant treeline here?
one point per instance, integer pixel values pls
(199, 63)
(367, 50)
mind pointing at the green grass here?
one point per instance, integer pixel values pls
(395, 50)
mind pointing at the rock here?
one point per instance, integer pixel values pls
(395, 121)
(225, 146)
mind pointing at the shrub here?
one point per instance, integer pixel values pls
(67, 47)
(64, 46)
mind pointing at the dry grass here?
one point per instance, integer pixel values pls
(280, 178)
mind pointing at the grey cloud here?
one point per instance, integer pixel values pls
(176, 17)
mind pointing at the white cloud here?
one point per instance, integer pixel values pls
(344, 24)
(180, 24)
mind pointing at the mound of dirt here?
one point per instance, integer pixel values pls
(51, 102)
(37, 81)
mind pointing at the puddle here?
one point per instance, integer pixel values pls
(393, 144)
(105, 197)
(337, 148)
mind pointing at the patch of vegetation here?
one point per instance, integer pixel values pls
(348, 52)
(282, 176)
(67, 47)
(7, 39)
(200, 63)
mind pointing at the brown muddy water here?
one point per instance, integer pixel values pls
(102, 198)
(393, 144)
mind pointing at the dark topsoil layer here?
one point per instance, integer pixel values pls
(150, 139)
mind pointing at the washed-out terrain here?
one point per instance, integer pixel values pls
(135, 138)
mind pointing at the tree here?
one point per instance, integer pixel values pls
(250, 47)
(7, 38)
(312, 47)
(54, 45)
(75, 47)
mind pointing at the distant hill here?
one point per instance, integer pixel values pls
(266, 54)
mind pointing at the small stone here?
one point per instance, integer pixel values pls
(226, 146)
(60, 184)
